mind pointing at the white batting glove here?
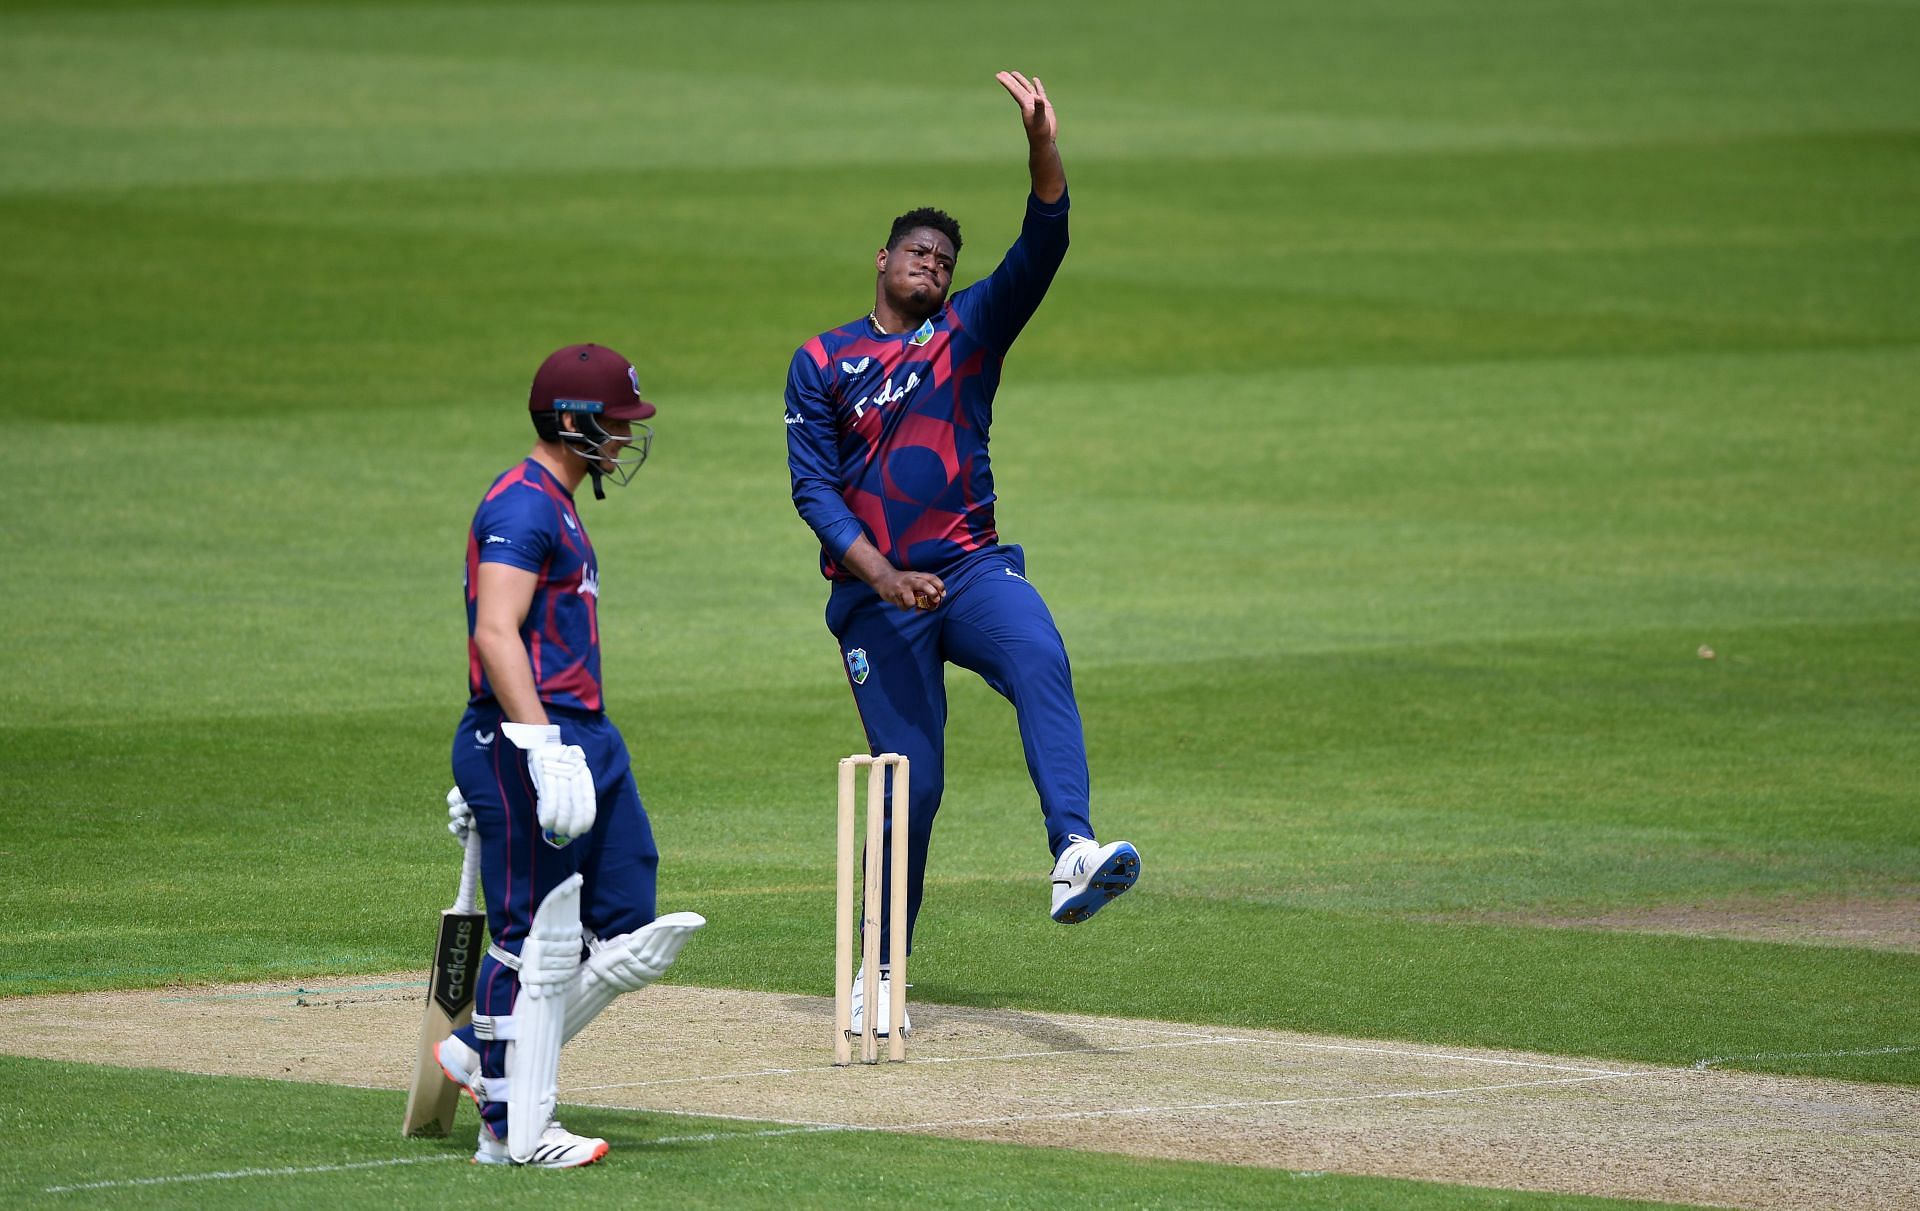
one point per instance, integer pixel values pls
(459, 816)
(562, 785)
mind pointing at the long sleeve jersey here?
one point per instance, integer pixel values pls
(887, 432)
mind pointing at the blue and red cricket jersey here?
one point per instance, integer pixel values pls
(887, 433)
(528, 520)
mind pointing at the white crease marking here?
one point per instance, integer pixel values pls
(716, 1136)
(1703, 1065)
(232, 1174)
(1438, 1055)
(1183, 1108)
(809, 1124)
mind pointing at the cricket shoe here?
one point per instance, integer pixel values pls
(881, 1023)
(1089, 874)
(558, 1149)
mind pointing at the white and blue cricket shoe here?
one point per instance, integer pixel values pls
(1088, 874)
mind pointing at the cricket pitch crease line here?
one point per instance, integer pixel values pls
(790, 1126)
(803, 1128)
(1441, 1055)
(1705, 1064)
(233, 1174)
(786, 1127)
(290, 994)
(714, 1137)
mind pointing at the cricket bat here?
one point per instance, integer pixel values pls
(432, 1098)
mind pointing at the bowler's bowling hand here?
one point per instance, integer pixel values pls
(1036, 112)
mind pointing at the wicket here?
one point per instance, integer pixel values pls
(843, 973)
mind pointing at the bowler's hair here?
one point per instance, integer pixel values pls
(925, 216)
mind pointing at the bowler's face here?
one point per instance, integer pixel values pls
(916, 272)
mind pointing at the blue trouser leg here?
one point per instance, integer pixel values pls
(621, 864)
(903, 707)
(518, 867)
(996, 625)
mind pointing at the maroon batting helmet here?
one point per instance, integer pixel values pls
(593, 383)
(592, 379)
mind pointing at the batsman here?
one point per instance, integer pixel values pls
(887, 423)
(567, 854)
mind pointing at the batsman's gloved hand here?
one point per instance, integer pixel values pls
(459, 816)
(562, 785)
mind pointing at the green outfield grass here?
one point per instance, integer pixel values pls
(1426, 383)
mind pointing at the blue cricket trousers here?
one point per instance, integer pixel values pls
(519, 867)
(993, 623)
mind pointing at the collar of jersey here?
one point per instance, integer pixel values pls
(872, 324)
(555, 479)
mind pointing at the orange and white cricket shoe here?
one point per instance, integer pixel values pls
(558, 1149)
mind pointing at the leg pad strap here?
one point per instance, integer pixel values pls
(496, 1027)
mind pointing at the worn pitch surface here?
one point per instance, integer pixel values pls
(1256, 1097)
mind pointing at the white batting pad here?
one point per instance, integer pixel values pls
(549, 966)
(627, 963)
